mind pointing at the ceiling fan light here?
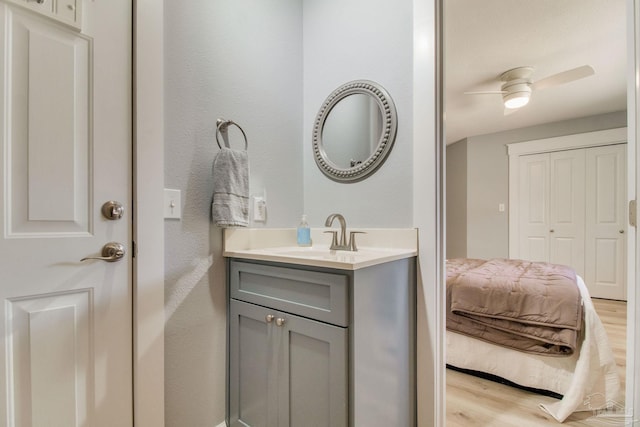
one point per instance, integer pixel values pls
(516, 100)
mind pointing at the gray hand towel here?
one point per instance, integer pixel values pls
(230, 207)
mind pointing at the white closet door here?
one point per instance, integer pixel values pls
(551, 208)
(534, 207)
(567, 209)
(605, 216)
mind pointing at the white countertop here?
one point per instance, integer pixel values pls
(376, 246)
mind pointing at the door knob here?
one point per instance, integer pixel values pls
(269, 318)
(111, 252)
(280, 321)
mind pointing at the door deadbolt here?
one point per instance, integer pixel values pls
(112, 210)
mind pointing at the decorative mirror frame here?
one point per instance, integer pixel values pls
(385, 142)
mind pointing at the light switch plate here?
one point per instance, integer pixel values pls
(172, 204)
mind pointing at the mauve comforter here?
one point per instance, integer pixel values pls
(529, 306)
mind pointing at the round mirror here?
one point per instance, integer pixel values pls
(354, 131)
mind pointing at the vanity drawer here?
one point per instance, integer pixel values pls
(313, 294)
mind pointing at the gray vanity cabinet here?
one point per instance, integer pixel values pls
(303, 353)
(287, 370)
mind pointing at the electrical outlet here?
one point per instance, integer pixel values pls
(259, 209)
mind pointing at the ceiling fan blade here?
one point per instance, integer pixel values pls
(564, 77)
(486, 92)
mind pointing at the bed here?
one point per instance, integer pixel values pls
(583, 374)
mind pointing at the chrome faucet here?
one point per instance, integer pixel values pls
(343, 245)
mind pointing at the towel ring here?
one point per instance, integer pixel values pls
(222, 125)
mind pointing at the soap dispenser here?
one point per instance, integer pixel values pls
(304, 232)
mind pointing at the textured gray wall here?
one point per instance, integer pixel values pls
(241, 61)
(351, 40)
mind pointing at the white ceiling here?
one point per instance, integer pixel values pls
(484, 38)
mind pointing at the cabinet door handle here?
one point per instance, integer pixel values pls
(269, 318)
(280, 321)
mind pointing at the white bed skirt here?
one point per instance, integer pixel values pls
(588, 379)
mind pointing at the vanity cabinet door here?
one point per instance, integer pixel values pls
(253, 377)
(314, 375)
(285, 370)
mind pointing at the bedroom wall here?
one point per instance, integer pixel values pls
(487, 179)
(456, 196)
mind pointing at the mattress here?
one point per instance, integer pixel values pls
(589, 372)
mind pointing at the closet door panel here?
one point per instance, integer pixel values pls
(605, 221)
(566, 208)
(534, 207)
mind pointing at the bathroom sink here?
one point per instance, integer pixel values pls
(375, 246)
(326, 253)
(306, 252)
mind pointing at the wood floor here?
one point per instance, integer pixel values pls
(472, 401)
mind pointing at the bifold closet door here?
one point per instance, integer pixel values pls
(567, 209)
(605, 221)
(551, 208)
(572, 208)
(533, 218)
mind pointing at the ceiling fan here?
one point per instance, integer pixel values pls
(517, 84)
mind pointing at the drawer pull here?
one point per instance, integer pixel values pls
(280, 321)
(269, 318)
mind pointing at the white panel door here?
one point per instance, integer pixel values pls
(566, 209)
(606, 221)
(533, 210)
(551, 208)
(65, 149)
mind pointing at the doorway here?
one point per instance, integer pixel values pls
(496, 203)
